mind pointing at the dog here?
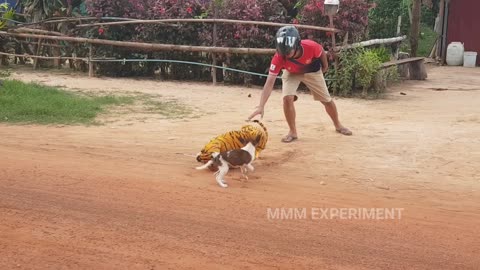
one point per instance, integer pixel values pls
(232, 140)
(235, 158)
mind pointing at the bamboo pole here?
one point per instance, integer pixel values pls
(56, 52)
(335, 65)
(211, 21)
(214, 39)
(90, 62)
(399, 27)
(372, 42)
(59, 20)
(345, 40)
(44, 57)
(35, 61)
(47, 44)
(149, 46)
(37, 31)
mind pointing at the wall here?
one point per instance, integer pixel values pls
(464, 24)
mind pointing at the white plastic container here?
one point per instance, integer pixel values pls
(469, 59)
(455, 52)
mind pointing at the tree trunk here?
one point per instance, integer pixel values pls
(439, 29)
(415, 28)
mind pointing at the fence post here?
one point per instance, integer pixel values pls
(335, 65)
(90, 63)
(35, 60)
(399, 25)
(214, 39)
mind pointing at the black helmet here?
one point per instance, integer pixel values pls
(287, 40)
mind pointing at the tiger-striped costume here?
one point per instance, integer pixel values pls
(231, 140)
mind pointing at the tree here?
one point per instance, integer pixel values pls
(415, 29)
(37, 10)
(6, 13)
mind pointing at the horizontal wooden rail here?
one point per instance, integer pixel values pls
(148, 46)
(327, 29)
(45, 57)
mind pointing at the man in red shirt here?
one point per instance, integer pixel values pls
(301, 61)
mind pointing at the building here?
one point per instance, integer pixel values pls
(461, 23)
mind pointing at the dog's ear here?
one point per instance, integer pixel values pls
(257, 140)
(243, 141)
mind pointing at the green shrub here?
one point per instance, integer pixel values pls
(359, 71)
(368, 64)
(382, 53)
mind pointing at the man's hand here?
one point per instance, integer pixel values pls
(259, 110)
(324, 60)
(324, 69)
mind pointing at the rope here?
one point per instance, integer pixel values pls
(123, 61)
(162, 60)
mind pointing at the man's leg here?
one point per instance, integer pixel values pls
(290, 114)
(316, 83)
(331, 109)
(290, 84)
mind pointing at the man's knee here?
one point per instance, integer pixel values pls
(289, 99)
(327, 103)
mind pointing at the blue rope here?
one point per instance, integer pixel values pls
(182, 62)
(164, 60)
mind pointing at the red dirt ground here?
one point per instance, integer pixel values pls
(123, 196)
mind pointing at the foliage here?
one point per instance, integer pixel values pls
(383, 18)
(48, 8)
(190, 34)
(368, 64)
(427, 39)
(352, 17)
(7, 14)
(391, 74)
(425, 42)
(252, 36)
(358, 69)
(382, 53)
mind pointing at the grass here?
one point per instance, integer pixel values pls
(37, 104)
(33, 103)
(425, 42)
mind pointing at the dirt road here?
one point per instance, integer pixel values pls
(123, 196)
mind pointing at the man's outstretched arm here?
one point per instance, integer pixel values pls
(267, 90)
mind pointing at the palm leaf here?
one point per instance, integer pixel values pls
(8, 14)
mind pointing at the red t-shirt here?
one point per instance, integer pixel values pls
(308, 62)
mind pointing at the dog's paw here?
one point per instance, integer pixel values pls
(222, 183)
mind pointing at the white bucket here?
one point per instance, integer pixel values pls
(469, 59)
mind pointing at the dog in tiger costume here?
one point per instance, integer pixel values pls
(232, 140)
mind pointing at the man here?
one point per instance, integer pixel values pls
(302, 61)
